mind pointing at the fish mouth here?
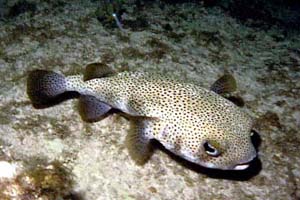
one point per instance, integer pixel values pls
(241, 166)
(244, 165)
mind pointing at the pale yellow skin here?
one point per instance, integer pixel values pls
(181, 116)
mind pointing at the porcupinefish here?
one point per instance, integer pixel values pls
(195, 123)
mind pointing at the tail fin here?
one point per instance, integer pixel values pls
(44, 86)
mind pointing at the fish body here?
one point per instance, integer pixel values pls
(193, 122)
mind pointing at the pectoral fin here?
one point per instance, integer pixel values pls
(224, 85)
(91, 109)
(138, 142)
(237, 100)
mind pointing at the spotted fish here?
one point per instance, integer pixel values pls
(195, 123)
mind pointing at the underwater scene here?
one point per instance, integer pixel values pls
(149, 100)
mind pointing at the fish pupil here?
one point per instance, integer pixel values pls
(210, 150)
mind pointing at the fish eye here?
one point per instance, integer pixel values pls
(210, 149)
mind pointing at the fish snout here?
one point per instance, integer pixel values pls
(245, 163)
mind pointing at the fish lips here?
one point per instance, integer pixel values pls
(241, 166)
(244, 165)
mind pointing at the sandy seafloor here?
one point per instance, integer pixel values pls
(187, 41)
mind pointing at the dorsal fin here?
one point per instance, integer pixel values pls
(97, 70)
(224, 85)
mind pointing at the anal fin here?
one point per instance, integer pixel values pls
(91, 109)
